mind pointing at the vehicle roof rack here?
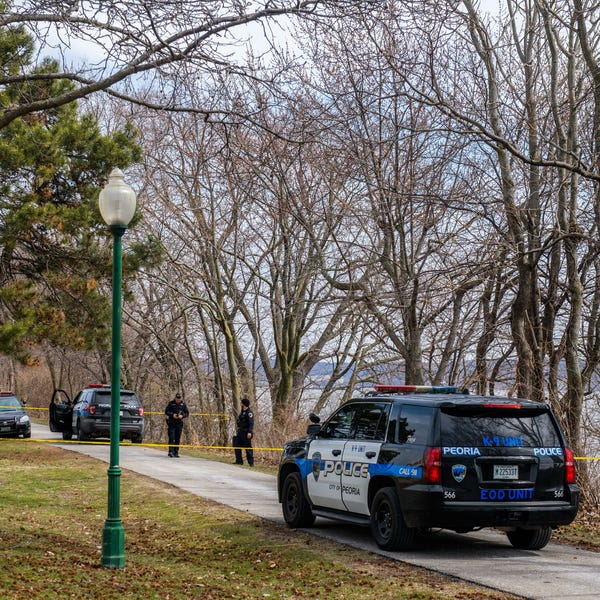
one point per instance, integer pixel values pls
(418, 389)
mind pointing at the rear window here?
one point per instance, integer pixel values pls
(103, 397)
(499, 429)
(415, 424)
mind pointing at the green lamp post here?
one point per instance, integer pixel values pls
(117, 207)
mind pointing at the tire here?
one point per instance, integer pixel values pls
(138, 439)
(529, 539)
(387, 523)
(26, 435)
(294, 504)
(82, 437)
(67, 435)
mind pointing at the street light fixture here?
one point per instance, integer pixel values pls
(117, 207)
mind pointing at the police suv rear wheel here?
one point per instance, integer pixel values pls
(296, 509)
(387, 523)
(529, 539)
(82, 437)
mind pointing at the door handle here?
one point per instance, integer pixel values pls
(371, 454)
(336, 452)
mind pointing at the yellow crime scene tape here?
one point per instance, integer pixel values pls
(219, 415)
(196, 446)
(131, 444)
(149, 412)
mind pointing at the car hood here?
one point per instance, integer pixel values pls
(8, 414)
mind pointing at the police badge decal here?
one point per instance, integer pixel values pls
(459, 472)
(316, 465)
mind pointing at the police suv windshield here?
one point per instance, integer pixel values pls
(9, 403)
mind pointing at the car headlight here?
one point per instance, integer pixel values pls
(24, 419)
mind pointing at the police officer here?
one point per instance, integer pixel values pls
(245, 431)
(176, 412)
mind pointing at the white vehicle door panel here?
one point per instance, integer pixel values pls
(324, 483)
(357, 456)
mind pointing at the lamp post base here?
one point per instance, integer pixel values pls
(113, 545)
(113, 534)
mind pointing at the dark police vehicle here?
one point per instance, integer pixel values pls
(14, 420)
(88, 415)
(408, 458)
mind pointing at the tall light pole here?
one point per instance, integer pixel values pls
(117, 207)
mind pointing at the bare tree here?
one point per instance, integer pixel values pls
(411, 257)
(295, 212)
(523, 91)
(137, 45)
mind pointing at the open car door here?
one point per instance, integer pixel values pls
(61, 414)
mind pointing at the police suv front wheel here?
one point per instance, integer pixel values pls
(387, 523)
(296, 509)
(529, 539)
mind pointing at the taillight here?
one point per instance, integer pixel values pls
(433, 465)
(570, 473)
(92, 409)
(140, 411)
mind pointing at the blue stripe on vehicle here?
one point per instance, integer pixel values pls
(305, 466)
(404, 471)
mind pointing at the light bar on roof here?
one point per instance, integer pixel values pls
(416, 389)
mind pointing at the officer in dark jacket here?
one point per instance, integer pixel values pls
(245, 431)
(176, 412)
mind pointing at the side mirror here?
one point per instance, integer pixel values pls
(314, 418)
(313, 429)
(24, 401)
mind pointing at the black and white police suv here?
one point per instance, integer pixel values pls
(408, 458)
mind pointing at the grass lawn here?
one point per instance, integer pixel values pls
(178, 546)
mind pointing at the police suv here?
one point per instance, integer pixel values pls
(88, 415)
(404, 459)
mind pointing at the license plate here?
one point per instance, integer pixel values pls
(506, 472)
(121, 413)
(3, 429)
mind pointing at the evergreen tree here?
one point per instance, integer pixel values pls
(54, 249)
